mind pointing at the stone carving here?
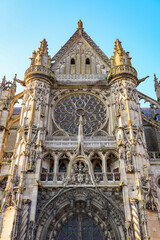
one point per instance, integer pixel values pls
(129, 158)
(135, 219)
(68, 203)
(31, 230)
(152, 202)
(24, 219)
(5, 85)
(80, 173)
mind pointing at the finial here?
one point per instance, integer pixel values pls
(80, 24)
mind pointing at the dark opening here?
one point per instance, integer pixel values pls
(87, 61)
(72, 61)
(62, 168)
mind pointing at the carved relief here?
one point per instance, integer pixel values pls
(80, 173)
(152, 202)
(70, 202)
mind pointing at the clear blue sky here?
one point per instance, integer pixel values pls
(24, 23)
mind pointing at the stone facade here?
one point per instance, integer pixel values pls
(80, 159)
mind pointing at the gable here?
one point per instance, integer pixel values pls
(80, 55)
(80, 58)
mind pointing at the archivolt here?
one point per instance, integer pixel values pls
(93, 203)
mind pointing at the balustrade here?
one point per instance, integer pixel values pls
(39, 68)
(47, 177)
(123, 68)
(80, 77)
(102, 178)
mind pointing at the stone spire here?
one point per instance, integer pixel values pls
(157, 87)
(41, 57)
(120, 56)
(121, 64)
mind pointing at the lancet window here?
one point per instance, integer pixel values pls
(47, 169)
(96, 163)
(87, 61)
(62, 167)
(72, 61)
(97, 167)
(63, 163)
(112, 168)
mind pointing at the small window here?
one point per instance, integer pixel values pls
(97, 168)
(72, 61)
(62, 168)
(87, 61)
(51, 167)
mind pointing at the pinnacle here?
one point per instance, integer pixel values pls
(118, 45)
(156, 80)
(43, 46)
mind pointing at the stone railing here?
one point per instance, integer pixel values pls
(108, 177)
(39, 69)
(154, 157)
(123, 69)
(80, 77)
(100, 178)
(52, 177)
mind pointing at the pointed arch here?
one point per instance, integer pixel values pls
(67, 204)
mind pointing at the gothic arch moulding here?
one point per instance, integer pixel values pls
(84, 203)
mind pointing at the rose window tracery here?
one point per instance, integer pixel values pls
(69, 109)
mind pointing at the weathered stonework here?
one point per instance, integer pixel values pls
(77, 155)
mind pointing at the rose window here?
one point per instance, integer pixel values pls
(69, 109)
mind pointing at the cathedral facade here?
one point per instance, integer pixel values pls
(80, 159)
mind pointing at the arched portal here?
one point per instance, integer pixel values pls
(80, 214)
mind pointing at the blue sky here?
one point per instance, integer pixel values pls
(23, 24)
